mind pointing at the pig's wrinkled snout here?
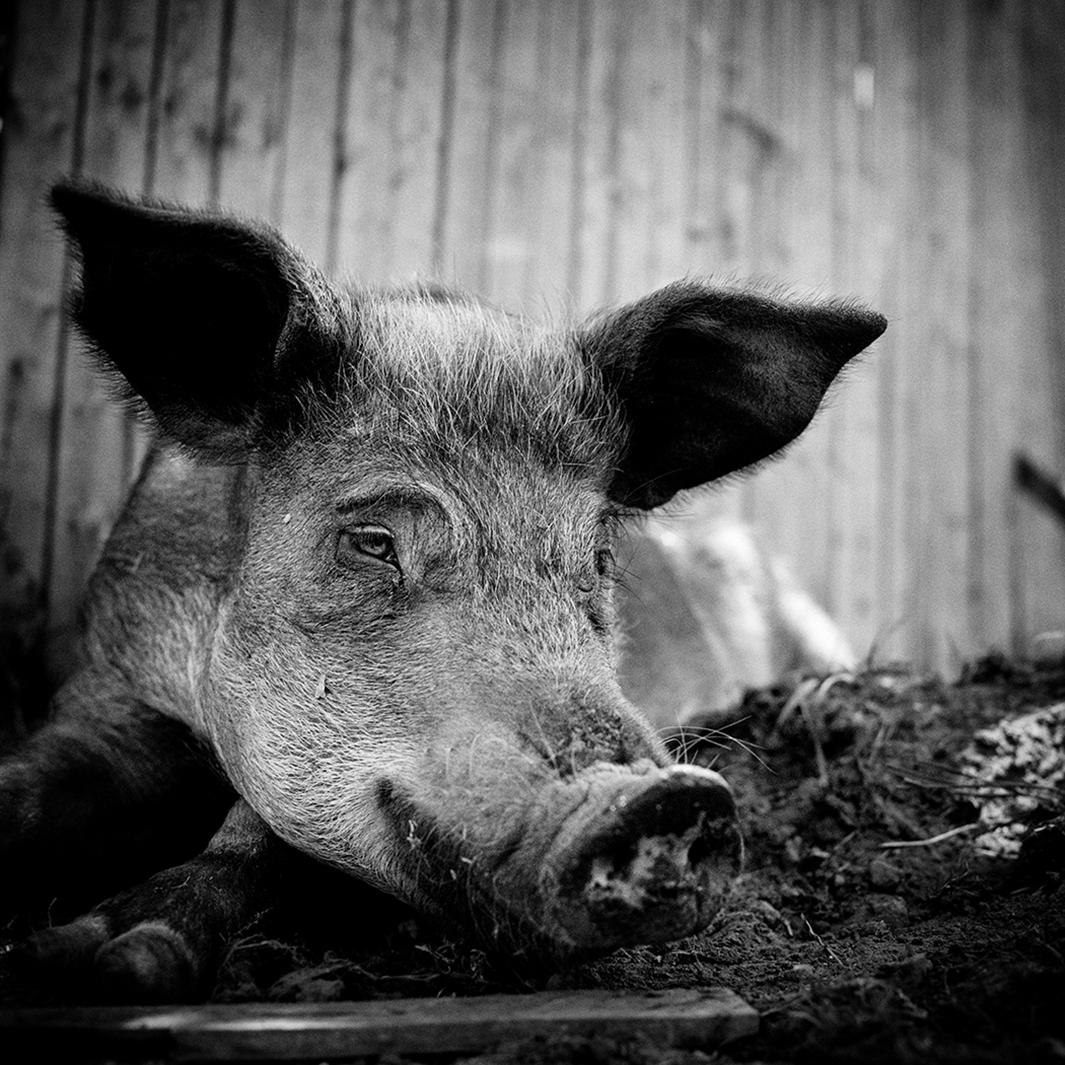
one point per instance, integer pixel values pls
(648, 858)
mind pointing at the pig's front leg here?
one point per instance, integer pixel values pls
(106, 794)
(161, 941)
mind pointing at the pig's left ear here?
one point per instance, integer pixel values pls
(186, 311)
(711, 380)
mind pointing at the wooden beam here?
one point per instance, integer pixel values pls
(704, 1017)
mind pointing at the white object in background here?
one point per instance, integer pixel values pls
(709, 614)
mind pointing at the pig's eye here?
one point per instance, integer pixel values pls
(369, 541)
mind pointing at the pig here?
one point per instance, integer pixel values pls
(706, 613)
(359, 602)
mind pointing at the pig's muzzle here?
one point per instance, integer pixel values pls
(646, 858)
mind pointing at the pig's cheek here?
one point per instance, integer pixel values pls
(308, 766)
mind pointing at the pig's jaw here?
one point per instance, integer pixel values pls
(616, 856)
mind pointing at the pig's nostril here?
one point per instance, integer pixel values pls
(659, 865)
(611, 863)
(699, 852)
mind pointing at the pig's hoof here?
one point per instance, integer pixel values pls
(655, 863)
(151, 963)
(68, 948)
(55, 963)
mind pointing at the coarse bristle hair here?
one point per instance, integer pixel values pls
(442, 371)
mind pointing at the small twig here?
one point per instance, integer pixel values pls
(808, 698)
(797, 698)
(827, 949)
(882, 733)
(826, 685)
(898, 844)
(954, 878)
(834, 852)
(814, 728)
(800, 700)
(964, 782)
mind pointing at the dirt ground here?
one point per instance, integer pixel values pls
(879, 918)
(850, 950)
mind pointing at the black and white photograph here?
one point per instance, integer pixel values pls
(532, 532)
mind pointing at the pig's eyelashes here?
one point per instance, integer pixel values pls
(604, 571)
(366, 541)
(605, 564)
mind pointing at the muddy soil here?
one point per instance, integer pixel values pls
(877, 920)
(850, 950)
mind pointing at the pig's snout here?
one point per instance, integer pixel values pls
(646, 858)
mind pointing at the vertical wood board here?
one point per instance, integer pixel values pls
(571, 154)
(40, 135)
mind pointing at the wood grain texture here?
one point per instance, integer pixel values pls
(392, 140)
(99, 444)
(41, 142)
(312, 130)
(254, 110)
(187, 134)
(568, 153)
(705, 1018)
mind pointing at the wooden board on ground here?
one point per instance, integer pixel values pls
(703, 1017)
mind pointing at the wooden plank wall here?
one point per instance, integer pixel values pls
(568, 153)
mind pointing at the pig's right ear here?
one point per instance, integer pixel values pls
(186, 308)
(710, 381)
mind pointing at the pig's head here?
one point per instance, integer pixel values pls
(413, 673)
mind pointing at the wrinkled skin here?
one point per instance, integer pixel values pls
(367, 574)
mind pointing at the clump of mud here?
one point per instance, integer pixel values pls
(873, 922)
